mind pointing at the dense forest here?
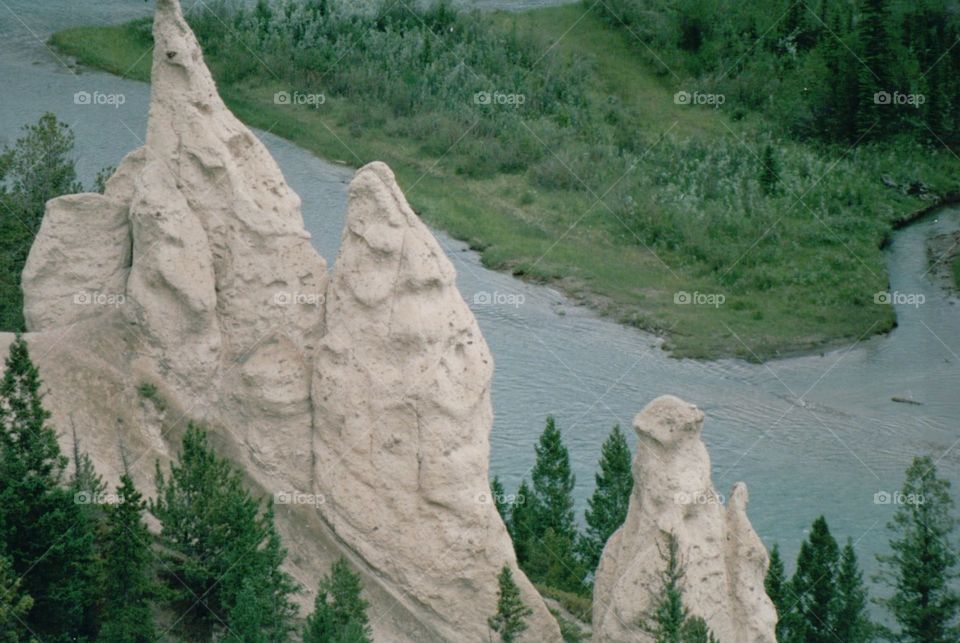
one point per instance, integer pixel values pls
(844, 72)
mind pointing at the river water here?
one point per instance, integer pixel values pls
(809, 435)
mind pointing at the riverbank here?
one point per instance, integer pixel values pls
(762, 277)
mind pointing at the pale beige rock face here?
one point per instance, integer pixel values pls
(673, 493)
(402, 394)
(369, 393)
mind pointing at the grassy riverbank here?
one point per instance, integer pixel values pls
(656, 213)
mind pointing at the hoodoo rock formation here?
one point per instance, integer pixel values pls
(360, 401)
(190, 291)
(724, 559)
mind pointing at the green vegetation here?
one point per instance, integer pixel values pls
(579, 605)
(545, 141)
(508, 622)
(36, 168)
(670, 621)
(14, 604)
(923, 566)
(43, 530)
(550, 548)
(77, 564)
(834, 71)
(545, 530)
(956, 272)
(149, 391)
(777, 588)
(339, 613)
(222, 545)
(826, 599)
(607, 507)
(93, 566)
(129, 586)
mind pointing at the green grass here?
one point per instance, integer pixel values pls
(581, 607)
(794, 276)
(956, 272)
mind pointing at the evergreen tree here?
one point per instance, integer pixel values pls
(814, 589)
(554, 563)
(669, 620)
(522, 523)
(876, 74)
(607, 508)
(553, 483)
(128, 588)
(339, 613)
(852, 623)
(218, 536)
(42, 529)
(499, 497)
(550, 509)
(778, 589)
(924, 560)
(508, 622)
(37, 168)
(669, 614)
(695, 630)
(14, 605)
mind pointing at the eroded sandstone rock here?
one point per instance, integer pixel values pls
(369, 393)
(673, 494)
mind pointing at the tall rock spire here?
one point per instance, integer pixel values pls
(369, 393)
(673, 494)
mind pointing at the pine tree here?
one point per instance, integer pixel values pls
(551, 510)
(218, 536)
(852, 623)
(669, 615)
(508, 622)
(695, 630)
(44, 532)
(129, 587)
(37, 168)
(553, 483)
(778, 590)
(14, 605)
(499, 497)
(813, 587)
(522, 523)
(553, 561)
(923, 564)
(607, 508)
(876, 47)
(339, 613)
